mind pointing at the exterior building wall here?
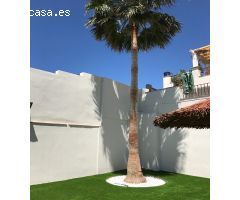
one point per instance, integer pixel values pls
(59, 152)
(115, 106)
(185, 150)
(167, 82)
(79, 127)
(198, 79)
(202, 80)
(64, 97)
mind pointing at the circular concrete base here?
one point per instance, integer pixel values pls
(151, 182)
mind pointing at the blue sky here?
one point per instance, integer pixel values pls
(64, 43)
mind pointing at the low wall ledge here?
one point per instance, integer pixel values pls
(65, 124)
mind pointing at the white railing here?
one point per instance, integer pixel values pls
(201, 90)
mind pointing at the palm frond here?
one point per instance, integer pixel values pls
(112, 19)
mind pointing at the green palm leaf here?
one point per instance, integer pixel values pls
(112, 21)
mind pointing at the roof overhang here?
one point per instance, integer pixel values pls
(203, 54)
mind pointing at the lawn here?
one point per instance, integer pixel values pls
(178, 187)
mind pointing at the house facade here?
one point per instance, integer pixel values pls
(200, 71)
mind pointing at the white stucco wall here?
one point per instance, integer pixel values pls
(185, 150)
(198, 79)
(115, 105)
(80, 114)
(167, 82)
(64, 97)
(80, 127)
(60, 152)
(202, 80)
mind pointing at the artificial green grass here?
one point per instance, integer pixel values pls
(178, 187)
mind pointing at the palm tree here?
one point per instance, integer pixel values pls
(132, 25)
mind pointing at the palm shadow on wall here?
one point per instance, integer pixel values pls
(172, 150)
(160, 149)
(33, 136)
(110, 100)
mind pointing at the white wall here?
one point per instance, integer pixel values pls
(167, 82)
(113, 133)
(198, 79)
(60, 152)
(202, 80)
(185, 150)
(80, 127)
(82, 115)
(64, 97)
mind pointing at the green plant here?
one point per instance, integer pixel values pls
(132, 26)
(177, 79)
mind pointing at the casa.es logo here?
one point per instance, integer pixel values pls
(49, 13)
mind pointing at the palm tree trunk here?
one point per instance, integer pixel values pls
(134, 171)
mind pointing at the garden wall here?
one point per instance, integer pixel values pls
(185, 151)
(79, 126)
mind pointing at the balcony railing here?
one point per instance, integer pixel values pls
(202, 90)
